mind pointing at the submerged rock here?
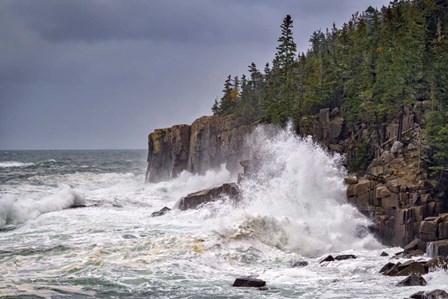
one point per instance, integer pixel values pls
(193, 200)
(300, 264)
(161, 212)
(249, 282)
(129, 236)
(412, 280)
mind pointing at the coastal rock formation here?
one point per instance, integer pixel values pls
(249, 282)
(412, 280)
(193, 200)
(209, 142)
(392, 187)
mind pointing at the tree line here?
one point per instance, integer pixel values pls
(378, 61)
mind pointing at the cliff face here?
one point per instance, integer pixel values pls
(394, 191)
(209, 142)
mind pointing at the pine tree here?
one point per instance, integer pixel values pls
(286, 50)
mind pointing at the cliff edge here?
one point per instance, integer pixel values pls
(205, 144)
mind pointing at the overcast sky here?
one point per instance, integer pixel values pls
(102, 74)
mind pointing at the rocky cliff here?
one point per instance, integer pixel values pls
(394, 190)
(391, 186)
(205, 144)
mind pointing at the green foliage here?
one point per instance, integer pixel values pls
(378, 61)
(362, 156)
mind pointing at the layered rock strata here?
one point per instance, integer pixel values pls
(205, 144)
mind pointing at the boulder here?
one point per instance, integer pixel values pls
(384, 253)
(345, 257)
(249, 282)
(393, 270)
(351, 180)
(327, 259)
(193, 200)
(396, 147)
(415, 244)
(435, 294)
(387, 267)
(161, 212)
(412, 280)
(411, 268)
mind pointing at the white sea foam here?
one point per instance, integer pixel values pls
(296, 198)
(15, 210)
(8, 164)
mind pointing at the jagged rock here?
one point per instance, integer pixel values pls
(384, 253)
(327, 259)
(300, 264)
(249, 282)
(438, 262)
(418, 295)
(387, 156)
(345, 257)
(415, 244)
(351, 180)
(396, 147)
(209, 142)
(411, 267)
(412, 280)
(161, 212)
(435, 294)
(168, 152)
(193, 200)
(387, 267)
(393, 270)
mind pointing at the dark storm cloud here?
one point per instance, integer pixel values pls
(175, 20)
(102, 74)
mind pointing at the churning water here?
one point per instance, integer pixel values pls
(293, 208)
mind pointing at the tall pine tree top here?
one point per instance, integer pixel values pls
(287, 49)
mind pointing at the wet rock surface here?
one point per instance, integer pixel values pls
(412, 280)
(193, 200)
(249, 282)
(161, 212)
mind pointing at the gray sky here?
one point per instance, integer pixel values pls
(97, 74)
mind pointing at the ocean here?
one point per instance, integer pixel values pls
(293, 209)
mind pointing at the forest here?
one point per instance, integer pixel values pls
(379, 61)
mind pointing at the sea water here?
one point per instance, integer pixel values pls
(293, 208)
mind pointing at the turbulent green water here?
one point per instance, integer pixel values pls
(294, 210)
